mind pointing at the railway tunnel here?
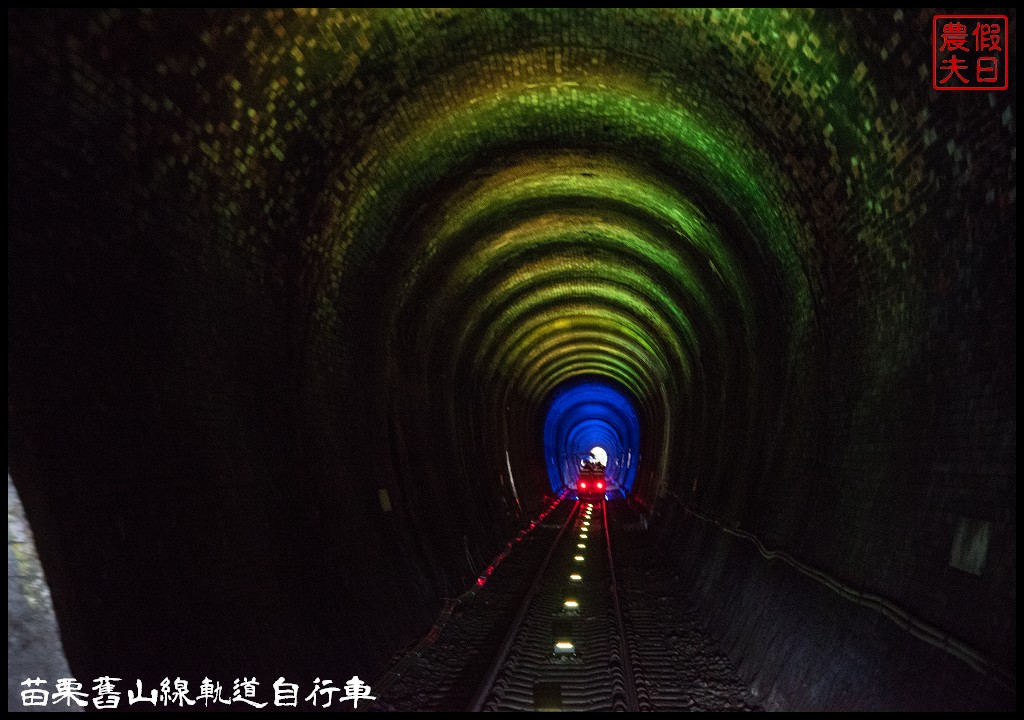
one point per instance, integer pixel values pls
(311, 313)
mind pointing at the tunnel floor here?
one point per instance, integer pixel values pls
(496, 650)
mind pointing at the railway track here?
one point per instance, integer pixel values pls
(567, 648)
(579, 616)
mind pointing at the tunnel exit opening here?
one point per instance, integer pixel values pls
(591, 435)
(599, 456)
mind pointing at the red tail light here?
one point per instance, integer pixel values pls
(583, 486)
(600, 486)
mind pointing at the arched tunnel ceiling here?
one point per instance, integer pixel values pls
(649, 206)
(551, 204)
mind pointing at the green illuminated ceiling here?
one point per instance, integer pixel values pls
(555, 193)
(571, 216)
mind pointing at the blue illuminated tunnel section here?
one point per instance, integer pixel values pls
(588, 415)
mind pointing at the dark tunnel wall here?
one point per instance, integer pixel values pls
(286, 286)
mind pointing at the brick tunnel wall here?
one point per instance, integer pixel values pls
(898, 431)
(255, 301)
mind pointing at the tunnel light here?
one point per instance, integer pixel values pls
(575, 577)
(578, 558)
(583, 536)
(594, 421)
(581, 546)
(571, 604)
(586, 523)
(564, 646)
